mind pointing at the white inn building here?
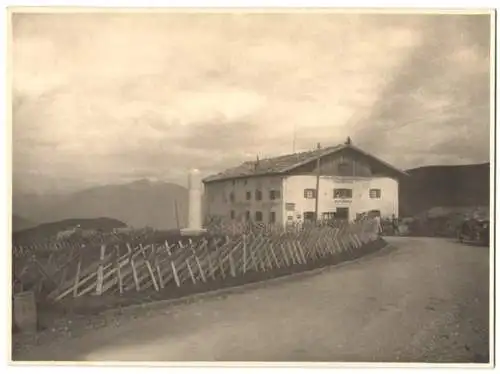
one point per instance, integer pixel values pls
(340, 181)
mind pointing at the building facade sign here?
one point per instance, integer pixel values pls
(343, 201)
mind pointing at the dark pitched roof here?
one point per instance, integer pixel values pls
(283, 164)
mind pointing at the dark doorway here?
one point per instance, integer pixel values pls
(272, 217)
(309, 216)
(342, 213)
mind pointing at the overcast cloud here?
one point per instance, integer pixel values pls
(103, 98)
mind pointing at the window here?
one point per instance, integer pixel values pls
(272, 217)
(274, 195)
(375, 193)
(245, 182)
(232, 214)
(342, 193)
(258, 195)
(231, 197)
(310, 193)
(258, 216)
(290, 218)
(247, 215)
(249, 195)
(290, 206)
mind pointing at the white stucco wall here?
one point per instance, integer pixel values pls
(217, 198)
(293, 187)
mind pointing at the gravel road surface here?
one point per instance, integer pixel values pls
(418, 300)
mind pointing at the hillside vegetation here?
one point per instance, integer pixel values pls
(47, 230)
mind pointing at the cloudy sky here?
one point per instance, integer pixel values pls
(109, 98)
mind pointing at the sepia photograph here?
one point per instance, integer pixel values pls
(293, 186)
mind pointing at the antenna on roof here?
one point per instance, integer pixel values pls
(348, 141)
(294, 137)
(256, 165)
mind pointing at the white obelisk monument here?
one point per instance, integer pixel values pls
(195, 206)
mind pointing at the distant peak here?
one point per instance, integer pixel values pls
(148, 181)
(142, 181)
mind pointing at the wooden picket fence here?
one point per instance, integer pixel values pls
(119, 268)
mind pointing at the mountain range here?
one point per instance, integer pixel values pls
(146, 203)
(20, 223)
(141, 203)
(444, 186)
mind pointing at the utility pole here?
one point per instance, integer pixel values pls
(318, 173)
(176, 210)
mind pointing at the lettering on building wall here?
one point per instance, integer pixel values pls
(343, 201)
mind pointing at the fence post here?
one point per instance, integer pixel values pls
(77, 277)
(157, 268)
(134, 270)
(299, 250)
(209, 258)
(118, 269)
(148, 266)
(200, 269)
(285, 256)
(274, 255)
(231, 264)
(100, 271)
(193, 279)
(174, 270)
(244, 253)
(191, 274)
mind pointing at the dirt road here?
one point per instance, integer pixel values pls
(420, 300)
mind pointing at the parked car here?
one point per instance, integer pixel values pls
(475, 231)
